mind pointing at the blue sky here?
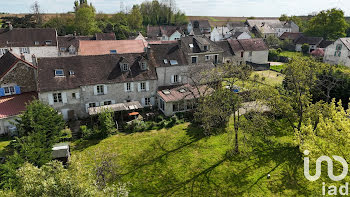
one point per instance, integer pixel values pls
(193, 7)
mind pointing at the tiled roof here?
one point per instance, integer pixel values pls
(325, 43)
(225, 45)
(27, 37)
(195, 40)
(309, 40)
(272, 23)
(105, 36)
(67, 41)
(255, 44)
(101, 47)
(290, 36)
(190, 92)
(15, 104)
(158, 31)
(153, 32)
(161, 52)
(346, 42)
(202, 23)
(8, 60)
(91, 70)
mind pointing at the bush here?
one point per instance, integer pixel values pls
(86, 132)
(106, 121)
(305, 48)
(66, 135)
(273, 55)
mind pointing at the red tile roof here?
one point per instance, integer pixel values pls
(15, 104)
(103, 47)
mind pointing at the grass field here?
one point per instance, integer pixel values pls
(271, 77)
(180, 161)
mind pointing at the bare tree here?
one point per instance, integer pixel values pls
(35, 9)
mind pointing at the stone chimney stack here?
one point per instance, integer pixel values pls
(34, 60)
(23, 57)
(10, 27)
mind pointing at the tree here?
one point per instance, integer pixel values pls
(35, 8)
(85, 22)
(106, 123)
(305, 48)
(135, 18)
(39, 129)
(272, 42)
(63, 24)
(329, 24)
(284, 17)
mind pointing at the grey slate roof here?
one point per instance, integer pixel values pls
(195, 40)
(91, 70)
(346, 42)
(161, 52)
(27, 37)
(309, 40)
(202, 23)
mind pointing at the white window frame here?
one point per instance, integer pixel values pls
(176, 78)
(100, 89)
(143, 65)
(143, 86)
(59, 75)
(128, 87)
(3, 51)
(48, 42)
(57, 97)
(207, 57)
(92, 105)
(125, 67)
(9, 90)
(107, 102)
(161, 104)
(24, 50)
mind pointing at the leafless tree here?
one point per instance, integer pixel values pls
(35, 9)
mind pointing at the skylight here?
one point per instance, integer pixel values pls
(191, 45)
(165, 61)
(113, 51)
(173, 62)
(166, 92)
(59, 72)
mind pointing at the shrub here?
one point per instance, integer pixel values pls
(305, 48)
(273, 55)
(106, 121)
(66, 135)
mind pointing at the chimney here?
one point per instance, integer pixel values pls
(22, 57)
(75, 33)
(34, 60)
(10, 27)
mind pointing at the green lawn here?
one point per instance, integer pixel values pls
(3, 144)
(292, 54)
(278, 68)
(272, 78)
(181, 162)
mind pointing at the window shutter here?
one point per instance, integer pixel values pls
(132, 86)
(147, 86)
(50, 98)
(64, 97)
(172, 79)
(179, 78)
(97, 104)
(2, 92)
(113, 101)
(125, 87)
(77, 95)
(105, 89)
(95, 90)
(139, 87)
(18, 89)
(143, 101)
(87, 107)
(152, 101)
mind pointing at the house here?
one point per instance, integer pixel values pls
(17, 88)
(238, 26)
(199, 27)
(265, 28)
(338, 53)
(180, 98)
(241, 36)
(73, 85)
(290, 36)
(245, 51)
(200, 49)
(101, 47)
(220, 33)
(69, 45)
(313, 42)
(27, 42)
(164, 33)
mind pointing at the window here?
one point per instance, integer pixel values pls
(48, 42)
(71, 72)
(161, 104)
(128, 87)
(36, 43)
(175, 107)
(100, 90)
(242, 54)
(194, 60)
(147, 101)
(125, 67)
(113, 51)
(339, 47)
(59, 72)
(337, 53)
(9, 90)
(144, 66)
(3, 51)
(72, 50)
(92, 104)
(143, 86)
(205, 48)
(207, 57)
(57, 97)
(176, 79)
(107, 103)
(74, 95)
(24, 50)
(250, 53)
(216, 59)
(62, 49)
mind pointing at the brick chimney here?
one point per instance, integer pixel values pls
(10, 27)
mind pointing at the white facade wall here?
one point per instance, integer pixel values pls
(116, 93)
(334, 59)
(43, 51)
(5, 124)
(175, 36)
(243, 36)
(258, 57)
(165, 75)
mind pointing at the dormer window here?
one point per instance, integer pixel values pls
(71, 72)
(125, 67)
(59, 73)
(48, 42)
(206, 47)
(143, 65)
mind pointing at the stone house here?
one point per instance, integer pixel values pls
(27, 42)
(17, 88)
(245, 51)
(72, 85)
(313, 42)
(164, 33)
(199, 27)
(220, 33)
(200, 49)
(265, 28)
(338, 53)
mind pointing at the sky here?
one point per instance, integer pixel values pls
(246, 8)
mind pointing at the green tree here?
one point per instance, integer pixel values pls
(272, 42)
(284, 17)
(85, 21)
(106, 123)
(329, 24)
(8, 171)
(305, 48)
(135, 18)
(39, 128)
